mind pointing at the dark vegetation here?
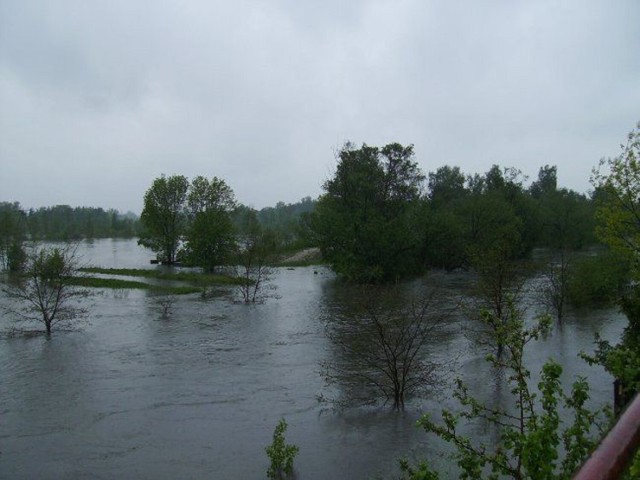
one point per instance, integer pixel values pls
(195, 278)
(118, 283)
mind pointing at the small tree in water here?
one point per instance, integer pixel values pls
(280, 454)
(383, 350)
(253, 263)
(45, 290)
(531, 436)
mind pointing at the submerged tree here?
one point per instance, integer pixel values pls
(254, 259)
(383, 350)
(495, 258)
(45, 289)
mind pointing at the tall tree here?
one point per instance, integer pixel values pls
(365, 223)
(163, 216)
(209, 236)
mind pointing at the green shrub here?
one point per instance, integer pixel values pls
(599, 280)
(280, 454)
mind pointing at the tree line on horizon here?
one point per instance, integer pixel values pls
(379, 219)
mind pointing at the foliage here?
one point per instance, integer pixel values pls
(281, 455)
(618, 207)
(383, 349)
(163, 216)
(287, 221)
(622, 361)
(195, 278)
(494, 257)
(117, 283)
(253, 263)
(209, 235)
(62, 222)
(16, 257)
(634, 469)
(365, 221)
(532, 435)
(421, 471)
(598, 280)
(12, 234)
(45, 288)
(618, 214)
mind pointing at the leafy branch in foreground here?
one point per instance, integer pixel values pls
(280, 454)
(532, 436)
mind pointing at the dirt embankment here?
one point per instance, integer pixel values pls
(308, 255)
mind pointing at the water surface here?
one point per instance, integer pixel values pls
(131, 393)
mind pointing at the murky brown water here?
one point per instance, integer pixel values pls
(131, 394)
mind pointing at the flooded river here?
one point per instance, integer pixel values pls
(131, 393)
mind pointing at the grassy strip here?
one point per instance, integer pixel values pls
(93, 282)
(201, 279)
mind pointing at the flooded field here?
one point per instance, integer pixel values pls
(131, 393)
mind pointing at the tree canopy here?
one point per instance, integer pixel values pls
(163, 216)
(364, 221)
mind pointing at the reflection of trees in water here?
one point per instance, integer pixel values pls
(382, 347)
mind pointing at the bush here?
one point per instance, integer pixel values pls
(599, 280)
(16, 257)
(280, 454)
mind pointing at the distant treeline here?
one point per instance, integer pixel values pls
(62, 222)
(285, 220)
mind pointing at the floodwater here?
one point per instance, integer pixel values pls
(131, 393)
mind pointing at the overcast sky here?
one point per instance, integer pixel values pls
(97, 98)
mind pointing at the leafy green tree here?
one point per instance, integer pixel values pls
(286, 221)
(366, 221)
(618, 207)
(446, 184)
(442, 219)
(533, 440)
(547, 182)
(163, 216)
(618, 215)
(45, 289)
(209, 235)
(444, 237)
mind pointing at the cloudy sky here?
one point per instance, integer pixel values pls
(97, 98)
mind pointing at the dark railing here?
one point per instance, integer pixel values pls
(616, 451)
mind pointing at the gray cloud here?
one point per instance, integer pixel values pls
(98, 98)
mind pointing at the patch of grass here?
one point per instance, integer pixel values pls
(196, 278)
(116, 283)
